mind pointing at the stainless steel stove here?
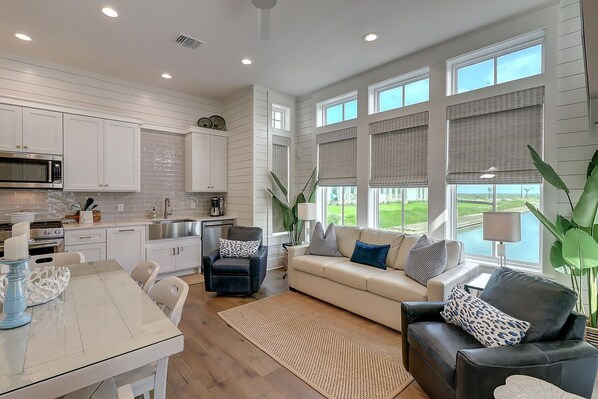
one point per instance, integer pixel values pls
(47, 237)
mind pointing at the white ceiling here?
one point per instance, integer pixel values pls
(313, 42)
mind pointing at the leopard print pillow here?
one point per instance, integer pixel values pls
(238, 249)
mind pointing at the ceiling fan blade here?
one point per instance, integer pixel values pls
(264, 24)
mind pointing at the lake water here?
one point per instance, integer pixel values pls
(526, 250)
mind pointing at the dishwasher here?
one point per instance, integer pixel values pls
(211, 232)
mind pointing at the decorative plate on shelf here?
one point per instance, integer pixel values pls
(218, 122)
(205, 122)
(42, 285)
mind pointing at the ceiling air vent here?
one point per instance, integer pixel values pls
(187, 41)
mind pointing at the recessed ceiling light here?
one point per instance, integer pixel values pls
(110, 12)
(22, 36)
(246, 61)
(370, 37)
(166, 76)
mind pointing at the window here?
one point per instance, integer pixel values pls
(280, 117)
(281, 168)
(408, 89)
(511, 60)
(471, 201)
(338, 109)
(339, 205)
(402, 209)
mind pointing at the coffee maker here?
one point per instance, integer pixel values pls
(215, 207)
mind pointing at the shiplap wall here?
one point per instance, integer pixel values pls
(576, 143)
(238, 112)
(161, 110)
(261, 199)
(304, 141)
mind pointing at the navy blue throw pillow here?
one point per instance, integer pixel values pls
(370, 254)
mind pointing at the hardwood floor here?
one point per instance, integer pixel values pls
(218, 362)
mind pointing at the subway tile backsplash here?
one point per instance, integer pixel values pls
(162, 175)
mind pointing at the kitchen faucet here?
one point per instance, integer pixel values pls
(167, 209)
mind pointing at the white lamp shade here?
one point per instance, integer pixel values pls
(307, 211)
(502, 226)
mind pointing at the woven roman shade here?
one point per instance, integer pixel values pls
(488, 139)
(400, 152)
(280, 166)
(337, 158)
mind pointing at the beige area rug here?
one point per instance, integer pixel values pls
(193, 279)
(341, 355)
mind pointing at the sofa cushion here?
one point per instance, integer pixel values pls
(370, 254)
(346, 237)
(543, 303)
(408, 241)
(454, 252)
(314, 264)
(395, 285)
(324, 244)
(351, 274)
(236, 266)
(381, 237)
(438, 344)
(426, 260)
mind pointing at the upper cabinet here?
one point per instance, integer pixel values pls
(101, 155)
(205, 163)
(30, 130)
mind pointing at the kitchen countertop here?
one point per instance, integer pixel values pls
(138, 222)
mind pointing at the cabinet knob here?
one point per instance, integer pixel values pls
(105, 185)
(26, 146)
(18, 146)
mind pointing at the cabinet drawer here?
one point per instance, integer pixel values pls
(92, 252)
(87, 236)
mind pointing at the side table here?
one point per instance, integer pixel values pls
(478, 283)
(285, 249)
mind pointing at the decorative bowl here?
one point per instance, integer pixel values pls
(42, 285)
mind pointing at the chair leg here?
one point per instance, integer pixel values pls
(160, 380)
(146, 395)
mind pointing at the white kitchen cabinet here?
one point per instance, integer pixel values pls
(92, 252)
(175, 255)
(206, 163)
(30, 130)
(101, 155)
(11, 128)
(126, 245)
(42, 131)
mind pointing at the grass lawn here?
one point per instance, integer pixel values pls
(417, 211)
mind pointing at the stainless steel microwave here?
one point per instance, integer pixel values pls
(22, 170)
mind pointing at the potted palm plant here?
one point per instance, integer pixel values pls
(575, 249)
(290, 218)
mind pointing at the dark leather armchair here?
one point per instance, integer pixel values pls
(237, 276)
(449, 363)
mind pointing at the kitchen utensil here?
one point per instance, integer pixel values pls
(19, 217)
(221, 206)
(204, 122)
(215, 207)
(86, 217)
(94, 206)
(218, 122)
(76, 207)
(88, 204)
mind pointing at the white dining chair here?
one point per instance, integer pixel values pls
(57, 259)
(145, 274)
(170, 295)
(125, 392)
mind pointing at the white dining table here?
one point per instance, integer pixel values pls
(101, 326)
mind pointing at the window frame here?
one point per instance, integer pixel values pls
(398, 81)
(272, 226)
(376, 210)
(285, 117)
(492, 260)
(323, 196)
(322, 106)
(493, 53)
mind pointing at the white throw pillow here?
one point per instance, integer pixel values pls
(237, 249)
(426, 260)
(483, 321)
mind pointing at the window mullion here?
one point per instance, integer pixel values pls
(402, 210)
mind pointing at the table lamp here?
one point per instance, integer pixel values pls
(502, 227)
(306, 212)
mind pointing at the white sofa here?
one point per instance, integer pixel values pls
(369, 291)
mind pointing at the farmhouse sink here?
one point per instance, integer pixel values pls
(173, 228)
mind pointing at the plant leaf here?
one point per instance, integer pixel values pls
(584, 213)
(593, 163)
(559, 264)
(547, 223)
(547, 172)
(281, 186)
(283, 205)
(563, 224)
(580, 250)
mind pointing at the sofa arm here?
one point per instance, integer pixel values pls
(570, 365)
(297, 250)
(208, 261)
(258, 264)
(440, 286)
(412, 312)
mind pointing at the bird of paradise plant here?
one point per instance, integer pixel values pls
(575, 250)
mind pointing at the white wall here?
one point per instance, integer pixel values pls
(161, 110)
(434, 57)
